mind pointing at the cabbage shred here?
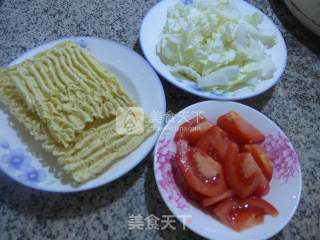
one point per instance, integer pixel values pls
(213, 44)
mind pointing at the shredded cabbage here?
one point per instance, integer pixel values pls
(213, 44)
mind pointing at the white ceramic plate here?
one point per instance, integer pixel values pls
(307, 12)
(152, 27)
(21, 157)
(285, 186)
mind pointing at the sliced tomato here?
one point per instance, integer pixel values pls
(179, 178)
(243, 175)
(241, 214)
(209, 201)
(231, 213)
(215, 143)
(263, 188)
(259, 203)
(182, 184)
(193, 129)
(240, 129)
(248, 218)
(202, 174)
(261, 158)
(198, 131)
(195, 196)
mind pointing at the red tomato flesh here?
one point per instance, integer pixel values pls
(261, 158)
(214, 143)
(209, 201)
(193, 129)
(182, 184)
(255, 202)
(208, 161)
(240, 129)
(179, 178)
(243, 175)
(193, 195)
(202, 174)
(263, 188)
(198, 131)
(242, 214)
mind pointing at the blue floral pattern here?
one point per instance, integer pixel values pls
(15, 159)
(33, 175)
(18, 164)
(82, 43)
(4, 145)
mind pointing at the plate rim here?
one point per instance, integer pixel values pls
(304, 19)
(170, 206)
(211, 95)
(156, 135)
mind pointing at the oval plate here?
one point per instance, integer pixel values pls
(285, 186)
(21, 156)
(151, 29)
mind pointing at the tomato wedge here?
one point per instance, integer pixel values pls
(255, 202)
(214, 143)
(263, 188)
(193, 129)
(209, 201)
(241, 214)
(184, 128)
(231, 213)
(179, 178)
(240, 129)
(198, 130)
(243, 175)
(211, 170)
(261, 158)
(202, 174)
(182, 184)
(195, 196)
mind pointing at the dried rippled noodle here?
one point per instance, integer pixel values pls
(65, 98)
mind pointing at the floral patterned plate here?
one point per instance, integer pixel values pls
(151, 29)
(285, 187)
(23, 159)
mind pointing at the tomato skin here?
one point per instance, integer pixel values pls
(241, 214)
(193, 129)
(184, 128)
(263, 188)
(231, 213)
(255, 202)
(209, 201)
(214, 143)
(211, 170)
(228, 168)
(186, 163)
(193, 195)
(242, 173)
(179, 178)
(198, 131)
(261, 158)
(240, 129)
(182, 184)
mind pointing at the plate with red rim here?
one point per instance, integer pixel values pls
(285, 186)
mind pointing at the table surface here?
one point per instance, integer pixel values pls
(103, 213)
